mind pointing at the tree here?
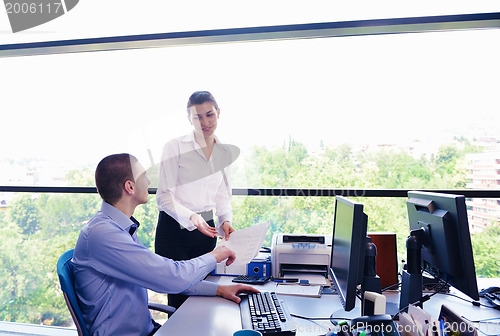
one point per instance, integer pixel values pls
(30, 287)
(147, 215)
(446, 159)
(398, 169)
(485, 248)
(80, 177)
(25, 213)
(63, 214)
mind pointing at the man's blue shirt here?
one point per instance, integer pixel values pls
(113, 271)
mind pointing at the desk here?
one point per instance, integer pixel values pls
(215, 316)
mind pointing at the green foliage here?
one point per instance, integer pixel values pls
(80, 177)
(399, 169)
(30, 287)
(485, 246)
(24, 212)
(63, 214)
(446, 159)
(38, 230)
(147, 215)
(343, 168)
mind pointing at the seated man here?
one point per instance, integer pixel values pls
(113, 270)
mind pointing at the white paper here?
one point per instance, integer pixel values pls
(421, 318)
(246, 242)
(314, 279)
(294, 289)
(408, 327)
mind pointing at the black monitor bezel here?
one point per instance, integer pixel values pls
(458, 226)
(355, 264)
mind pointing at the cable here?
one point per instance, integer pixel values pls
(331, 318)
(481, 321)
(313, 318)
(482, 332)
(471, 302)
(484, 321)
(436, 292)
(265, 249)
(421, 300)
(391, 286)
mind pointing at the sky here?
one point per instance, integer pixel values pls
(375, 89)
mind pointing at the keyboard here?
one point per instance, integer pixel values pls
(266, 313)
(492, 295)
(252, 279)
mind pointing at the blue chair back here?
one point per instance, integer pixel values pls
(67, 280)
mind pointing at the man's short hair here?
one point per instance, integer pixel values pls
(200, 97)
(111, 174)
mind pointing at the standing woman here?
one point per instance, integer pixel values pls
(194, 180)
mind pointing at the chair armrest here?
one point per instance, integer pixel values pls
(161, 307)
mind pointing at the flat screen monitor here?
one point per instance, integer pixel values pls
(348, 249)
(440, 223)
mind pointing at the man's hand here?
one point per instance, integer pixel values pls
(221, 253)
(231, 292)
(228, 229)
(202, 226)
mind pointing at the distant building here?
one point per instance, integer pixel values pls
(484, 173)
(4, 206)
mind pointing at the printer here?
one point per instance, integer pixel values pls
(300, 253)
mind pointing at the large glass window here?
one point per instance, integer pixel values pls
(368, 112)
(431, 96)
(38, 228)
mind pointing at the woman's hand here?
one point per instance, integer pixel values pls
(202, 226)
(228, 229)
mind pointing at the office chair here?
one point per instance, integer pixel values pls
(67, 280)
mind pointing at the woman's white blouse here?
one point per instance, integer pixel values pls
(189, 184)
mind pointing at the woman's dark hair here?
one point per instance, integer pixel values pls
(200, 97)
(111, 174)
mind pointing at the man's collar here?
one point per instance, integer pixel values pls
(119, 217)
(135, 221)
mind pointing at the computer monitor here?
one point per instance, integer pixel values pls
(348, 249)
(439, 243)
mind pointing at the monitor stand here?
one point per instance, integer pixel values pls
(411, 279)
(392, 308)
(341, 314)
(371, 281)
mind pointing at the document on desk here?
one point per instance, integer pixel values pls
(298, 290)
(246, 242)
(314, 279)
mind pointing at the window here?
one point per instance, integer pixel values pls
(372, 93)
(382, 111)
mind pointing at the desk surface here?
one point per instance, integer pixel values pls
(215, 316)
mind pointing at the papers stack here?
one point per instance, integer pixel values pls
(418, 322)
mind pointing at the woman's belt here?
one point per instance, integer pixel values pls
(207, 215)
